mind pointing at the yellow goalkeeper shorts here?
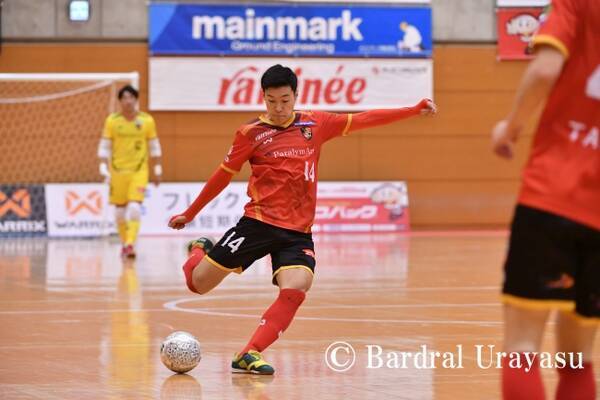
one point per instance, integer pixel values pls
(126, 187)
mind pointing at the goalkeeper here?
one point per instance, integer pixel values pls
(129, 138)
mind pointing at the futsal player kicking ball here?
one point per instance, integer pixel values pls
(553, 260)
(283, 148)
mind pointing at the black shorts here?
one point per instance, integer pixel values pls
(251, 240)
(553, 261)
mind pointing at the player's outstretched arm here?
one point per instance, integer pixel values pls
(371, 118)
(215, 185)
(536, 84)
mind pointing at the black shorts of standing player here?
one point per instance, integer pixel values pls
(251, 240)
(553, 262)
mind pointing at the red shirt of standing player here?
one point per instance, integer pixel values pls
(283, 148)
(553, 260)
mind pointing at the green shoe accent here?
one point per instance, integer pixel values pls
(251, 363)
(204, 243)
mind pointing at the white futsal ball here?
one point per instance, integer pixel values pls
(180, 352)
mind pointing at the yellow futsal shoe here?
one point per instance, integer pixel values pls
(251, 363)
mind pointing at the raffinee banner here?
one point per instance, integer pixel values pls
(233, 84)
(290, 30)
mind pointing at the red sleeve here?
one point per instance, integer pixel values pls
(560, 29)
(334, 125)
(239, 153)
(369, 119)
(215, 185)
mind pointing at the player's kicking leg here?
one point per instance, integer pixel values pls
(200, 275)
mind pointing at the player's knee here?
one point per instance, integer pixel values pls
(120, 214)
(134, 211)
(202, 286)
(201, 289)
(305, 286)
(297, 279)
(205, 278)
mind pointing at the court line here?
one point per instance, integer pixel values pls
(319, 290)
(68, 312)
(175, 306)
(168, 307)
(362, 306)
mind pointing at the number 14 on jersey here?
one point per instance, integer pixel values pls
(309, 171)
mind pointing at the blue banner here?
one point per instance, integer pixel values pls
(289, 30)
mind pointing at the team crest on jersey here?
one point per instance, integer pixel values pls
(138, 123)
(306, 132)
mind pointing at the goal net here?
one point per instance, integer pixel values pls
(50, 124)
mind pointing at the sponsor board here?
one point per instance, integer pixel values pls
(289, 30)
(169, 199)
(516, 28)
(79, 209)
(233, 84)
(362, 207)
(341, 207)
(22, 210)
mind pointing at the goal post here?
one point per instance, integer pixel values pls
(50, 124)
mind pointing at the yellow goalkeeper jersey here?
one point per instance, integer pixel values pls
(129, 140)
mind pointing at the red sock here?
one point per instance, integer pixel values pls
(197, 254)
(276, 319)
(520, 385)
(576, 384)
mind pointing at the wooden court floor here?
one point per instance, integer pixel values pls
(78, 323)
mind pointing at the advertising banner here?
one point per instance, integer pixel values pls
(79, 210)
(168, 199)
(289, 30)
(341, 207)
(362, 207)
(22, 210)
(516, 28)
(82, 210)
(233, 84)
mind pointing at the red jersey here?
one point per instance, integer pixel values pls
(562, 175)
(284, 161)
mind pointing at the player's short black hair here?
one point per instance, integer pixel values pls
(130, 89)
(279, 76)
